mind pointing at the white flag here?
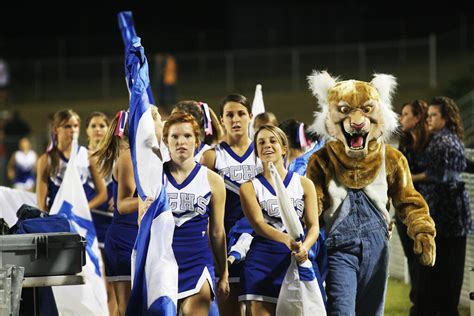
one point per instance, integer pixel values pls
(299, 294)
(91, 297)
(257, 107)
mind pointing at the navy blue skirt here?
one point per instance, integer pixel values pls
(263, 270)
(119, 242)
(195, 262)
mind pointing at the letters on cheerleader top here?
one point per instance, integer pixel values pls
(240, 173)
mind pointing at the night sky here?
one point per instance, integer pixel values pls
(76, 29)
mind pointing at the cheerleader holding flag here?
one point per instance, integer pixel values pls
(71, 201)
(154, 268)
(269, 259)
(299, 293)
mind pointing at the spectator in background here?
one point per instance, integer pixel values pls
(413, 141)
(15, 129)
(168, 76)
(443, 162)
(22, 166)
(265, 118)
(4, 82)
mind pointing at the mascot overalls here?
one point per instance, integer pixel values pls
(357, 175)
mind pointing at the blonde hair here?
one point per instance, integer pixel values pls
(109, 147)
(278, 133)
(58, 119)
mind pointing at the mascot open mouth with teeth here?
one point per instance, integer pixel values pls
(356, 176)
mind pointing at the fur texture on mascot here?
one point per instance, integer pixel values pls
(357, 175)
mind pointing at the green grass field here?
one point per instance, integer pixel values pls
(397, 302)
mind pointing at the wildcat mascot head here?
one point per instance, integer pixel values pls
(354, 112)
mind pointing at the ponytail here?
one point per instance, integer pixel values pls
(109, 147)
(217, 133)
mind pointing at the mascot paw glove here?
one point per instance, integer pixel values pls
(425, 245)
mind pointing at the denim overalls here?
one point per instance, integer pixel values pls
(358, 254)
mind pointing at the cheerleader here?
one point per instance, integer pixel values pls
(52, 164)
(22, 166)
(235, 161)
(197, 198)
(269, 256)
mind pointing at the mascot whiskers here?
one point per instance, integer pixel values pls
(357, 175)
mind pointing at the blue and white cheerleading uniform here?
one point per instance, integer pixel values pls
(103, 219)
(119, 242)
(190, 204)
(24, 170)
(82, 164)
(199, 151)
(267, 260)
(235, 170)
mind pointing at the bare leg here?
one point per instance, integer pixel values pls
(122, 293)
(258, 308)
(197, 304)
(111, 300)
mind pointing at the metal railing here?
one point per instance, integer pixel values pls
(416, 63)
(466, 106)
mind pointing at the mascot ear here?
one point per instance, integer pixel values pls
(319, 83)
(385, 85)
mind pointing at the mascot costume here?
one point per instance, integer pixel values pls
(357, 175)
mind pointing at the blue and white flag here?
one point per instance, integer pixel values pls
(91, 297)
(299, 294)
(127, 28)
(154, 267)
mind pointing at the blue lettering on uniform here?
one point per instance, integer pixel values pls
(187, 201)
(272, 209)
(201, 205)
(239, 173)
(173, 200)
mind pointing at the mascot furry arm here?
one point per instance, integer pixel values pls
(356, 119)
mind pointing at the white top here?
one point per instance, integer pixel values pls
(267, 198)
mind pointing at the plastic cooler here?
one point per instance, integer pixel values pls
(44, 254)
